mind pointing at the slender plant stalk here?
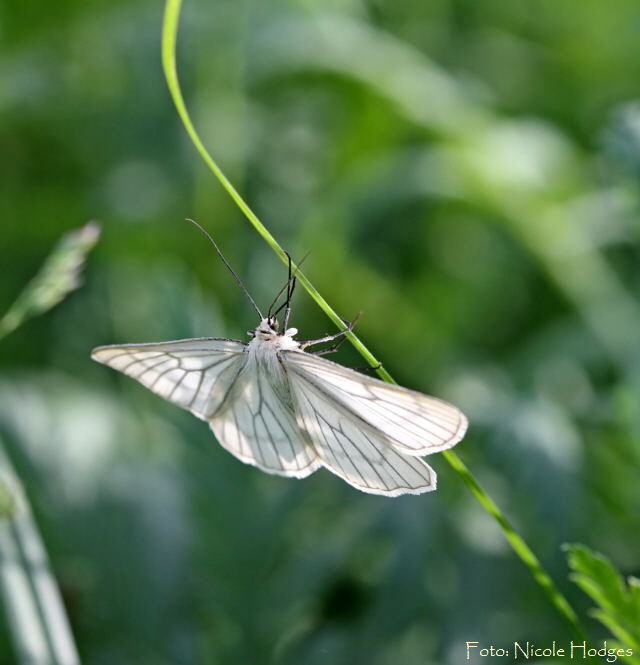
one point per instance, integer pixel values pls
(35, 612)
(522, 550)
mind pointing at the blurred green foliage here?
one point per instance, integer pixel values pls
(34, 609)
(465, 173)
(59, 275)
(618, 600)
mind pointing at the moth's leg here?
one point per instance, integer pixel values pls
(329, 338)
(331, 349)
(368, 368)
(334, 347)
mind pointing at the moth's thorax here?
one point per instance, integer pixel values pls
(264, 349)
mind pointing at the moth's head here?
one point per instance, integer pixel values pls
(267, 329)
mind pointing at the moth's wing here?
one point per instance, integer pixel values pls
(353, 449)
(248, 416)
(414, 423)
(257, 424)
(196, 374)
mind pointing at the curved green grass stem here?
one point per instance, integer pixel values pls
(523, 551)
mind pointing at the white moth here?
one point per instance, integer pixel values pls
(289, 412)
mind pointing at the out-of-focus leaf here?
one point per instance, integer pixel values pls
(59, 275)
(618, 601)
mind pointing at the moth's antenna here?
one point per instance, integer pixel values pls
(231, 270)
(290, 289)
(281, 291)
(289, 286)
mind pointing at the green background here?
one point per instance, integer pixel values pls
(465, 173)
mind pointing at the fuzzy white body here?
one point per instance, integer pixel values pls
(265, 346)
